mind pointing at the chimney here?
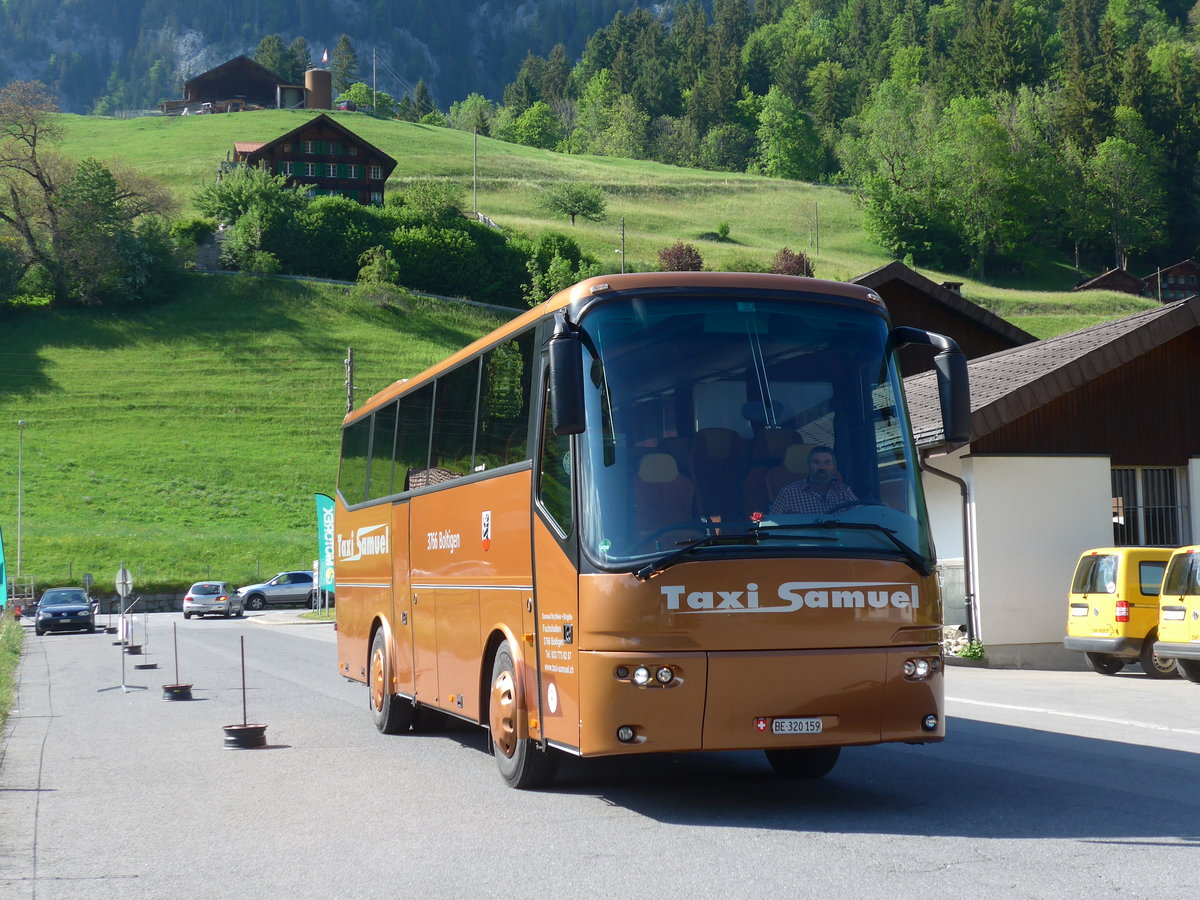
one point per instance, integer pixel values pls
(954, 287)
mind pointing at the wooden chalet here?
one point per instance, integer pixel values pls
(1078, 442)
(912, 299)
(1174, 282)
(325, 156)
(1113, 280)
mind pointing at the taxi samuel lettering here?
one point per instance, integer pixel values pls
(370, 540)
(792, 596)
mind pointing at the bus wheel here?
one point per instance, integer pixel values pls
(392, 714)
(1104, 664)
(1154, 665)
(522, 763)
(803, 762)
(1190, 669)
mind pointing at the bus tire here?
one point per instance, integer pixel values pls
(803, 762)
(1103, 664)
(1190, 669)
(392, 714)
(522, 763)
(1153, 665)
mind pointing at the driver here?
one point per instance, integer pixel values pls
(820, 492)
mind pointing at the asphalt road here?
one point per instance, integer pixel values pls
(1049, 785)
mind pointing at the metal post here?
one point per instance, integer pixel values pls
(349, 361)
(475, 171)
(20, 487)
(622, 245)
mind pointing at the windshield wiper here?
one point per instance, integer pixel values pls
(914, 559)
(663, 563)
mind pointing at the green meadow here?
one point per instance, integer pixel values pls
(186, 439)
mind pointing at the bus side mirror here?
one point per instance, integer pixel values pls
(954, 392)
(566, 379)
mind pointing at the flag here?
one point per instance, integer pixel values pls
(325, 56)
(3, 576)
(325, 541)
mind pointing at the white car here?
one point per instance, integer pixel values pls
(216, 597)
(284, 588)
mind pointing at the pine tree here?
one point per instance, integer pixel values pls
(301, 60)
(344, 65)
(271, 55)
(423, 99)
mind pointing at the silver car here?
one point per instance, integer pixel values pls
(216, 597)
(286, 587)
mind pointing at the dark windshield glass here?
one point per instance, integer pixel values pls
(206, 589)
(1096, 574)
(710, 415)
(55, 598)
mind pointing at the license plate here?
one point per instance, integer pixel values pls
(796, 726)
(1079, 610)
(1175, 615)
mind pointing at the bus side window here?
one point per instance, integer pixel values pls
(503, 433)
(453, 443)
(352, 473)
(554, 476)
(412, 439)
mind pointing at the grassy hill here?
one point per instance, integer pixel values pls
(186, 440)
(660, 204)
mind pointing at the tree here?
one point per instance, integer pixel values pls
(788, 262)
(788, 144)
(423, 99)
(1122, 183)
(575, 199)
(232, 196)
(300, 60)
(363, 97)
(344, 64)
(538, 126)
(680, 257)
(473, 113)
(271, 55)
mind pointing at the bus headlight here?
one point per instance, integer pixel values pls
(664, 674)
(919, 669)
(626, 734)
(641, 676)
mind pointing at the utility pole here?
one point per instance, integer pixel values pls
(622, 245)
(20, 459)
(475, 170)
(373, 81)
(349, 362)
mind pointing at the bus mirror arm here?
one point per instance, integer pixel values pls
(566, 378)
(950, 366)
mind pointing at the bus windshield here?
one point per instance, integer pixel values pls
(745, 425)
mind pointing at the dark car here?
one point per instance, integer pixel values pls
(65, 609)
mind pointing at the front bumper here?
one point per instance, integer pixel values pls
(64, 623)
(1123, 647)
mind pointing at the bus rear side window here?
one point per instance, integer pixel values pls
(412, 440)
(352, 474)
(454, 422)
(383, 446)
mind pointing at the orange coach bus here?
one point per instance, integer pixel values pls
(568, 531)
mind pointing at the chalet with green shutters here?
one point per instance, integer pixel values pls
(325, 157)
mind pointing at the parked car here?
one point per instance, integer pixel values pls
(212, 597)
(1179, 613)
(64, 609)
(1112, 610)
(284, 588)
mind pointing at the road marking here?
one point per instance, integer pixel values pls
(1069, 715)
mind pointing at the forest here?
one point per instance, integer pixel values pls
(979, 134)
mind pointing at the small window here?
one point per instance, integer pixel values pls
(331, 170)
(454, 421)
(310, 169)
(377, 198)
(554, 476)
(412, 440)
(288, 168)
(352, 151)
(503, 435)
(287, 148)
(376, 173)
(310, 146)
(354, 171)
(352, 474)
(1151, 575)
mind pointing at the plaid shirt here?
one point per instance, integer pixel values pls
(798, 497)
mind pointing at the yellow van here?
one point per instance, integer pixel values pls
(1179, 612)
(1112, 611)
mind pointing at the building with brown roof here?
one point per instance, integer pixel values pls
(1076, 444)
(325, 156)
(1113, 280)
(1174, 282)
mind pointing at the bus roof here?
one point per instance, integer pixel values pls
(602, 284)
